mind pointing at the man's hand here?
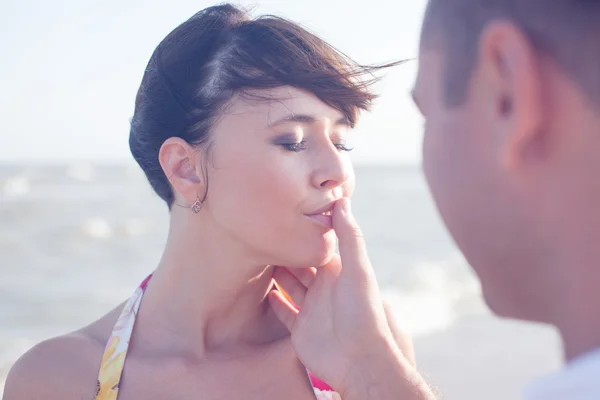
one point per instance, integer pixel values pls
(338, 324)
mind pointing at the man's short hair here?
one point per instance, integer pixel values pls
(568, 31)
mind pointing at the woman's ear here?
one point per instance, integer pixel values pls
(179, 161)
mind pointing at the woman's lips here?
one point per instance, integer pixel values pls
(323, 219)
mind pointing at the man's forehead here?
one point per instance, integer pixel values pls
(428, 72)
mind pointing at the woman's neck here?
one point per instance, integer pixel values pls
(206, 296)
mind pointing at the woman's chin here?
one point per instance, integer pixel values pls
(316, 255)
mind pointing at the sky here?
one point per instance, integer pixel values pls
(70, 70)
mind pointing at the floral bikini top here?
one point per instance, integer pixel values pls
(113, 360)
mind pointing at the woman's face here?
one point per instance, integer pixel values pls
(275, 169)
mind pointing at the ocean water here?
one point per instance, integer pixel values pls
(76, 239)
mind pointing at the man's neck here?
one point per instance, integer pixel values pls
(580, 328)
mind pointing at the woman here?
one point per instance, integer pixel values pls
(242, 127)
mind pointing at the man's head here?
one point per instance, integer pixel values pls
(510, 91)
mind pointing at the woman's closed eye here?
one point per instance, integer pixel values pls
(302, 145)
(296, 146)
(343, 145)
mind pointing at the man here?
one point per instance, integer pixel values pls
(510, 91)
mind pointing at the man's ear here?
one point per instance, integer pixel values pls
(515, 94)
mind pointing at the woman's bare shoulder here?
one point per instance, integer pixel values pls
(65, 367)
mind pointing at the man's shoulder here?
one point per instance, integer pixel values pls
(577, 380)
(63, 367)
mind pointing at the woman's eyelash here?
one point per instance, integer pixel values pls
(299, 146)
(344, 147)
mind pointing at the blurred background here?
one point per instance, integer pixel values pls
(80, 227)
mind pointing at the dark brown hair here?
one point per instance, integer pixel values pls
(220, 52)
(568, 31)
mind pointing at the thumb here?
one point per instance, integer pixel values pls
(351, 243)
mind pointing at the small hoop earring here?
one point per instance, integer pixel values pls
(197, 206)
